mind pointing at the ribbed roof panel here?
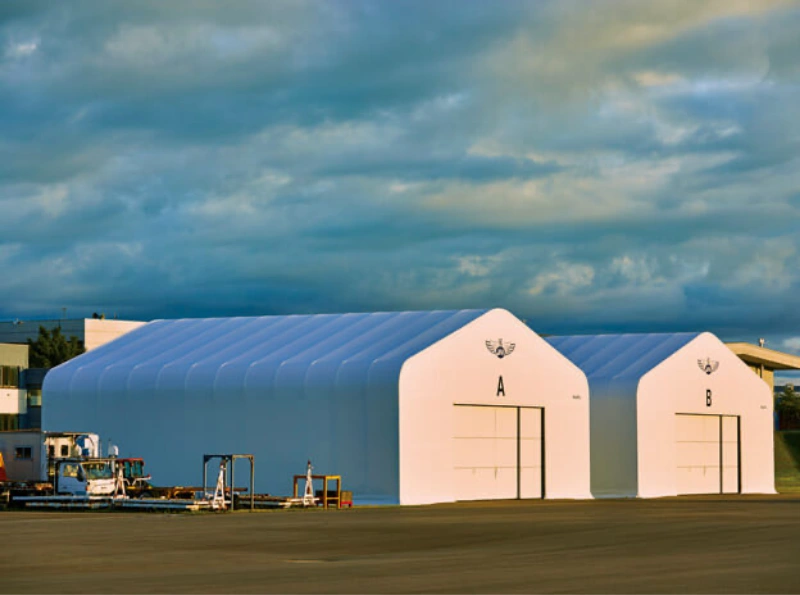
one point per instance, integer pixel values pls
(619, 357)
(255, 356)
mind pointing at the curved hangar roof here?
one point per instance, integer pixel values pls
(619, 357)
(215, 356)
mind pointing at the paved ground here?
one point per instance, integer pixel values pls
(701, 545)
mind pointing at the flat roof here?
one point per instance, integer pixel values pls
(769, 358)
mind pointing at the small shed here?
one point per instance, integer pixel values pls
(408, 407)
(673, 414)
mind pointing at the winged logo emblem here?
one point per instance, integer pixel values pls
(500, 349)
(708, 365)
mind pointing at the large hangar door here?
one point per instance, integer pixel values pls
(497, 452)
(707, 454)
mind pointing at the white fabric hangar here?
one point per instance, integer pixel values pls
(409, 407)
(673, 414)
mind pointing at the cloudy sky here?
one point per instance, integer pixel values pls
(591, 166)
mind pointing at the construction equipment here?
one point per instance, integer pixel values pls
(133, 473)
(137, 483)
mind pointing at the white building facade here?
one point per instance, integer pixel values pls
(673, 414)
(13, 397)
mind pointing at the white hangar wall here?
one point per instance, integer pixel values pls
(679, 386)
(459, 371)
(292, 388)
(656, 430)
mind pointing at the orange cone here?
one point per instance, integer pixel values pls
(3, 476)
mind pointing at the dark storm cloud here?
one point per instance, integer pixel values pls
(622, 166)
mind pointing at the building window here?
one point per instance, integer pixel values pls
(64, 450)
(69, 470)
(23, 453)
(35, 397)
(9, 422)
(9, 376)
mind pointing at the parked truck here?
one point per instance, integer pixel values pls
(72, 477)
(85, 477)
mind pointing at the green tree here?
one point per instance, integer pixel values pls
(51, 348)
(788, 406)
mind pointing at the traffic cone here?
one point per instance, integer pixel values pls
(3, 476)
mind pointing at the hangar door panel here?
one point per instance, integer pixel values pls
(730, 454)
(530, 453)
(707, 454)
(495, 453)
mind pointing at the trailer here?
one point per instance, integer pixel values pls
(96, 483)
(28, 459)
(65, 502)
(91, 483)
(30, 455)
(114, 502)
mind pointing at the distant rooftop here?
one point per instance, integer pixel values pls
(92, 331)
(769, 358)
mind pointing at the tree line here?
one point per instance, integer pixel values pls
(52, 348)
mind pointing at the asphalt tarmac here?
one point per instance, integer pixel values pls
(743, 544)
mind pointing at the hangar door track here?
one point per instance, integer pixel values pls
(498, 452)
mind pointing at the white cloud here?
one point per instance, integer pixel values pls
(22, 49)
(770, 266)
(637, 269)
(439, 106)
(653, 78)
(792, 344)
(51, 200)
(476, 266)
(562, 278)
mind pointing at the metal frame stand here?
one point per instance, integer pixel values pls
(308, 495)
(308, 498)
(227, 464)
(119, 485)
(218, 502)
